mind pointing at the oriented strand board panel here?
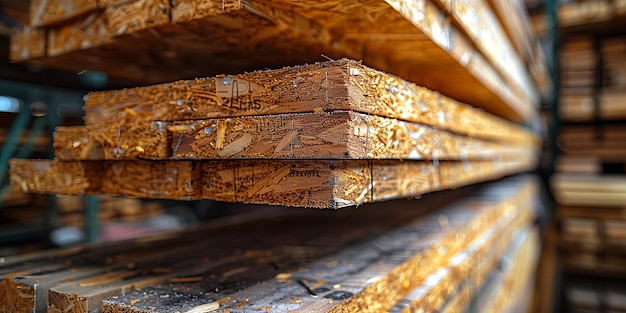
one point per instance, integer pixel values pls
(368, 276)
(73, 178)
(28, 43)
(212, 37)
(148, 179)
(325, 135)
(315, 183)
(454, 283)
(320, 87)
(46, 12)
(477, 19)
(507, 288)
(132, 140)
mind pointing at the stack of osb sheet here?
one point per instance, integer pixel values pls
(487, 56)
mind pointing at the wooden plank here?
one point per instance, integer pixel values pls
(245, 37)
(477, 19)
(547, 274)
(576, 107)
(579, 60)
(598, 213)
(514, 18)
(55, 177)
(334, 135)
(578, 79)
(580, 165)
(315, 183)
(578, 13)
(589, 190)
(327, 86)
(581, 136)
(27, 43)
(77, 34)
(125, 17)
(132, 140)
(505, 292)
(468, 269)
(408, 254)
(612, 104)
(325, 135)
(47, 12)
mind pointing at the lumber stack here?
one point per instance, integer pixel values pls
(392, 258)
(331, 134)
(143, 40)
(589, 14)
(590, 182)
(442, 110)
(593, 79)
(586, 295)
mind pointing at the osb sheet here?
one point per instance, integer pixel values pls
(320, 183)
(137, 140)
(27, 43)
(132, 16)
(333, 135)
(79, 34)
(327, 86)
(152, 179)
(47, 12)
(47, 176)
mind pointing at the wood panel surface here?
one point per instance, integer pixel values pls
(314, 183)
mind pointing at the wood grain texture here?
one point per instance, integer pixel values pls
(376, 274)
(238, 36)
(315, 183)
(327, 86)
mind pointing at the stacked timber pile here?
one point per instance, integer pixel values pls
(590, 183)
(331, 134)
(394, 258)
(462, 77)
(150, 41)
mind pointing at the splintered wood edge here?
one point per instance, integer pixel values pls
(354, 87)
